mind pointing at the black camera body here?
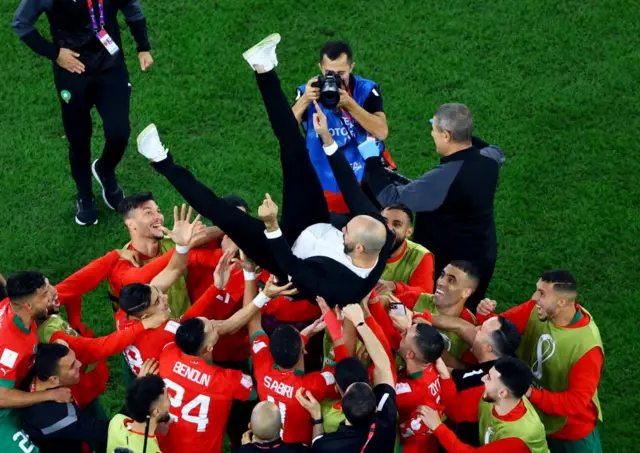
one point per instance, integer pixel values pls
(329, 85)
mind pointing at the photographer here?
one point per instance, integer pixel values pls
(353, 107)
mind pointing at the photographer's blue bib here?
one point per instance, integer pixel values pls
(345, 131)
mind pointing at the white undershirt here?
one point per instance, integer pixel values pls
(323, 239)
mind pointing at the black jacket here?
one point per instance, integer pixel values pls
(71, 28)
(453, 203)
(59, 427)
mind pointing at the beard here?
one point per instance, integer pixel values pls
(488, 398)
(348, 248)
(164, 418)
(42, 315)
(397, 244)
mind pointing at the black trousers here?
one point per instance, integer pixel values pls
(303, 201)
(110, 92)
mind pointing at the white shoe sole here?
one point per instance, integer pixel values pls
(104, 194)
(273, 39)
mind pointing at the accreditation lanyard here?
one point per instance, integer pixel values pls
(93, 15)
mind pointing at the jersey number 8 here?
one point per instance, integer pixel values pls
(176, 395)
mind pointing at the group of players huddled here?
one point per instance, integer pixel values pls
(213, 341)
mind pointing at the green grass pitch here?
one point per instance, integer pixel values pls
(554, 83)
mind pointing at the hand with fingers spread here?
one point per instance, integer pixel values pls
(268, 213)
(321, 126)
(183, 229)
(132, 256)
(307, 400)
(272, 290)
(149, 367)
(223, 270)
(316, 327)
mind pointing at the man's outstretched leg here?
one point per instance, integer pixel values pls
(247, 232)
(303, 203)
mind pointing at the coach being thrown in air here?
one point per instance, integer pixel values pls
(353, 107)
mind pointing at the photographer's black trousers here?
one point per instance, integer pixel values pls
(110, 92)
(303, 202)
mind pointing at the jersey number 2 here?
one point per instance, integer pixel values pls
(201, 419)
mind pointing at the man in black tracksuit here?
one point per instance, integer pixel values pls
(453, 201)
(89, 73)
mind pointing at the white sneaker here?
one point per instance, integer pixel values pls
(149, 144)
(264, 53)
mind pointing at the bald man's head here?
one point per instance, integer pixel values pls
(265, 421)
(364, 235)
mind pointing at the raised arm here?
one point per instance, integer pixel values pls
(355, 198)
(382, 373)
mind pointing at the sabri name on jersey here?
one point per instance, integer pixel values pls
(278, 387)
(192, 374)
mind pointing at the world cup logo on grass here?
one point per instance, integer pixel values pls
(545, 349)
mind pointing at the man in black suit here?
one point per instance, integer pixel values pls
(320, 260)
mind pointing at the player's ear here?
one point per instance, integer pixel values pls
(130, 223)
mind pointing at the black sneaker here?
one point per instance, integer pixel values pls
(112, 193)
(87, 213)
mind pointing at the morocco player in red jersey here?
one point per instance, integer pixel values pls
(279, 369)
(201, 393)
(421, 346)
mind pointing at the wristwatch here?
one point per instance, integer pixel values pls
(316, 422)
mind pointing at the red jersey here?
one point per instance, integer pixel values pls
(280, 387)
(417, 389)
(18, 344)
(201, 395)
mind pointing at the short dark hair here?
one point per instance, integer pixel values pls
(359, 405)
(141, 395)
(190, 336)
(457, 120)
(562, 280)
(47, 362)
(134, 201)
(515, 375)
(236, 201)
(350, 370)
(400, 207)
(285, 345)
(333, 50)
(24, 284)
(471, 270)
(135, 298)
(429, 342)
(506, 339)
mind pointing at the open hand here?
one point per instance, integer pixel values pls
(354, 313)
(272, 290)
(244, 262)
(223, 270)
(68, 59)
(316, 327)
(59, 395)
(132, 256)
(149, 367)
(183, 229)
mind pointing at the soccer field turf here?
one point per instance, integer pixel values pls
(555, 84)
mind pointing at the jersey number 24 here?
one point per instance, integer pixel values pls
(200, 404)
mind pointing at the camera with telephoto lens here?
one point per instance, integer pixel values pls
(329, 85)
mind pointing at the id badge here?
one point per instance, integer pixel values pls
(107, 42)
